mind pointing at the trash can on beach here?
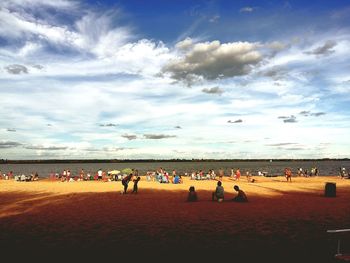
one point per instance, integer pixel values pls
(330, 189)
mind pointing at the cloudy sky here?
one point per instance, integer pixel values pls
(174, 79)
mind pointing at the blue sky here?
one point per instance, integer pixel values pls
(174, 79)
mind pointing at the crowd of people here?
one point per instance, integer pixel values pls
(34, 176)
(162, 176)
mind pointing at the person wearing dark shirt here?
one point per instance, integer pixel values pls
(241, 196)
(136, 181)
(125, 182)
(192, 195)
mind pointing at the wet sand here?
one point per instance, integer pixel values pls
(282, 220)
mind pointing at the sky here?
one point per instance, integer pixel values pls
(174, 79)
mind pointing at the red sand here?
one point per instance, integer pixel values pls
(282, 220)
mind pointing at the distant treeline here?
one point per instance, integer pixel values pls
(6, 161)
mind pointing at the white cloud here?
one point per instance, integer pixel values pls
(34, 3)
(247, 9)
(75, 76)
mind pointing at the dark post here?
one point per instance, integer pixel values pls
(330, 189)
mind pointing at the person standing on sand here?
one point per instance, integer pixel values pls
(288, 174)
(136, 181)
(99, 174)
(82, 175)
(125, 182)
(221, 174)
(238, 174)
(219, 193)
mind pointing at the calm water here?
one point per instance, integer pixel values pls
(272, 168)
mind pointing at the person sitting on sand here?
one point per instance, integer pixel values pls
(176, 179)
(192, 195)
(125, 182)
(135, 189)
(241, 196)
(249, 177)
(219, 193)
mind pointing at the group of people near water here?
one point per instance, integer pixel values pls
(100, 175)
(34, 176)
(304, 172)
(162, 176)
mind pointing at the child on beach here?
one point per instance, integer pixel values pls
(136, 181)
(192, 195)
(241, 196)
(219, 193)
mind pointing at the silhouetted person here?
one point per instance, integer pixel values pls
(192, 195)
(241, 196)
(125, 182)
(136, 181)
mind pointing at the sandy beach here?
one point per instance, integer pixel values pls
(281, 220)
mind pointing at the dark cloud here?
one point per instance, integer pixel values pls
(178, 127)
(49, 148)
(214, 90)
(115, 149)
(92, 150)
(108, 125)
(326, 49)
(276, 73)
(158, 136)
(236, 121)
(129, 136)
(9, 144)
(294, 148)
(317, 114)
(11, 130)
(288, 119)
(38, 66)
(292, 119)
(304, 113)
(16, 69)
(212, 60)
(281, 144)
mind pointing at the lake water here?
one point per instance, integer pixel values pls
(274, 168)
